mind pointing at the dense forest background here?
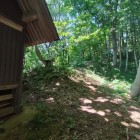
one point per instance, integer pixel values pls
(101, 35)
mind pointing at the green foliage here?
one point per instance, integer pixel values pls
(89, 31)
(31, 60)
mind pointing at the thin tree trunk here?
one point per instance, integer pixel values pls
(68, 58)
(114, 49)
(135, 57)
(92, 54)
(38, 53)
(120, 52)
(133, 33)
(135, 44)
(108, 44)
(114, 28)
(126, 63)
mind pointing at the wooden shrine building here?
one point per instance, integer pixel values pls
(22, 23)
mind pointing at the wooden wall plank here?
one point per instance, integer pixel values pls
(6, 87)
(1, 34)
(6, 97)
(11, 54)
(16, 57)
(3, 52)
(6, 111)
(7, 54)
(13, 38)
(20, 57)
(4, 104)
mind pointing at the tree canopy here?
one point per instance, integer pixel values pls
(101, 34)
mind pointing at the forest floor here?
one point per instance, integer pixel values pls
(77, 107)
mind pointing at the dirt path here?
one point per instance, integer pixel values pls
(73, 109)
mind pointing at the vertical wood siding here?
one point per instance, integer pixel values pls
(11, 54)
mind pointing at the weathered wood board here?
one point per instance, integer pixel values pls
(6, 111)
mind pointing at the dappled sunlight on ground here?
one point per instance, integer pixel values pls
(101, 99)
(117, 101)
(79, 108)
(117, 113)
(135, 116)
(92, 88)
(74, 79)
(132, 112)
(134, 125)
(92, 106)
(57, 84)
(50, 100)
(85, 101)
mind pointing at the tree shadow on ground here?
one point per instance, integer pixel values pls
(71, 109)
(111, 73)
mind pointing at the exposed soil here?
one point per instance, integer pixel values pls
(77, 108)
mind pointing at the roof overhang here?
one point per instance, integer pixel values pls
(39, 26)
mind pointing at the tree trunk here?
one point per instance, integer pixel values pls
(114, 29)
(135, 48)
(114, 50)
(126, 63)
(92, 54)
(120, 52)
(109, 47)
(135, 89)
(38, 53)
(135, 57)
(48, 63)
